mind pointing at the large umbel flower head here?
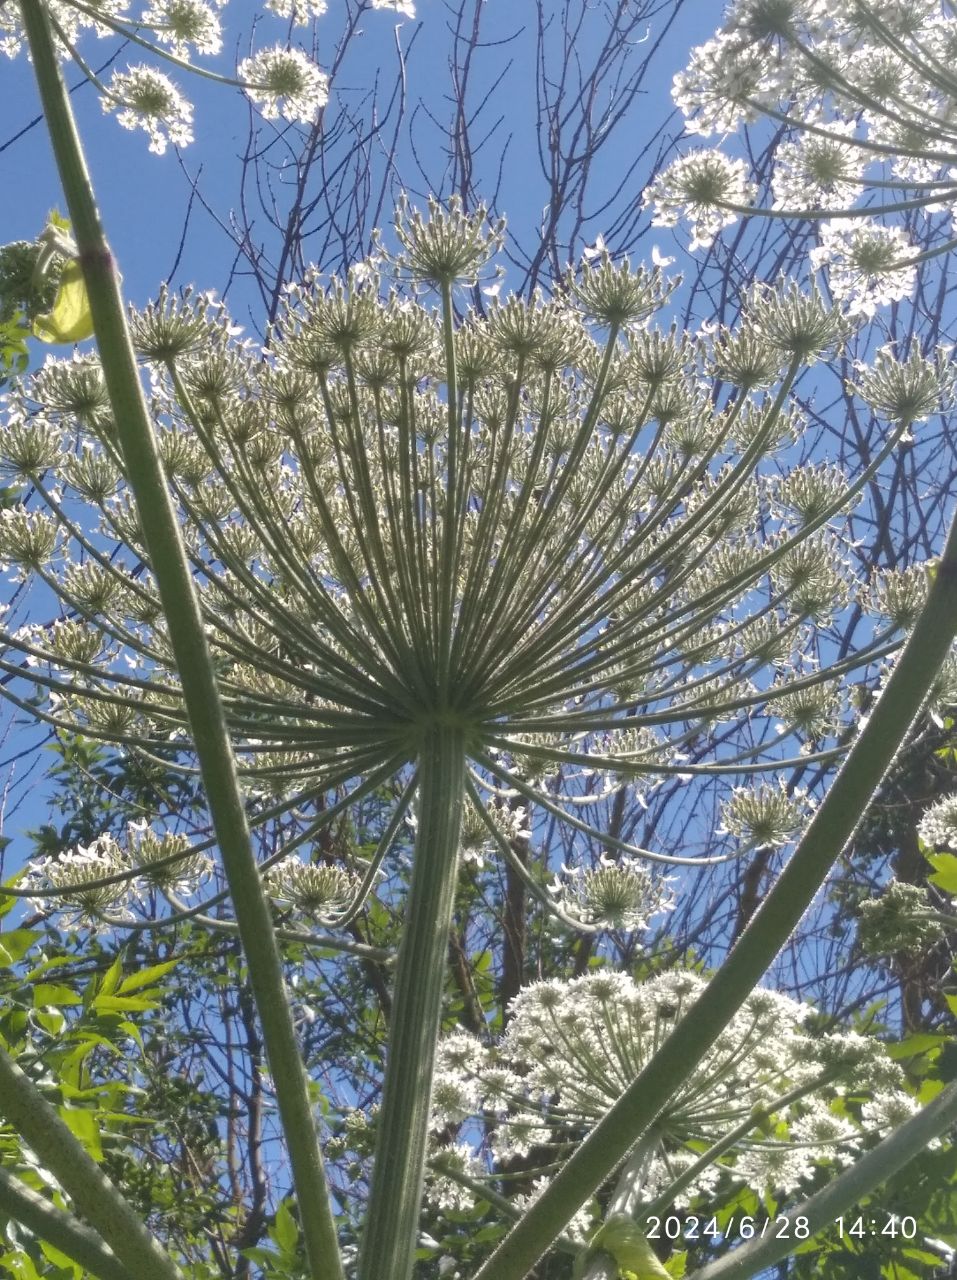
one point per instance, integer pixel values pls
(770, 1102)
(548, 528)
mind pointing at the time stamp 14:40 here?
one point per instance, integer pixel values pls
(783, 1226)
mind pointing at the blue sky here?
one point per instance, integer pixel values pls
(144, 197)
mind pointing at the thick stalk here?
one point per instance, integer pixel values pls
(201, 696)
(389, 1239)
(95, 1197)
(59, 1228)
(624, 1203)
(828, 833)
(840, 1196)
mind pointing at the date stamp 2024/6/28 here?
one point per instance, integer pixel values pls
(782, 1227)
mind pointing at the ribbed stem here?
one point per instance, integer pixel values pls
(624, 1203)
(389, 1239)
(181, 607)
(830, 830)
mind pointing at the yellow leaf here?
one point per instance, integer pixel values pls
(70, 319)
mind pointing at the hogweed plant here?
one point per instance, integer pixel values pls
(462, 552)
(490, 558)
(867, 93)
(769, 1104)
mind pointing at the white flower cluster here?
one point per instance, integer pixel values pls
(144, 98)
(573, 1046)
(285, 82)
(97, 884)
(864, 92)
(938, 826)
(699, 187)
(765, 816)
(281, 80)
(620, 893)
(868, 265)
(316, 889)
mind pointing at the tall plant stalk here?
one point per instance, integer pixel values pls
(828, 834)
(200, 694)
(388, 1242)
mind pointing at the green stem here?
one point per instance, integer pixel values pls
(59, 1228)
(624, 1203)
(388, 1242)
(827, 835)
(838, 1197)
(94, 1195)
(200, 694)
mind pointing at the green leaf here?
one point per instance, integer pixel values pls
(51, 1020)
(15, 944)
(285, 1230)
(122, 1004)
(146, 976)
(54, 993)
(915, 1044)
(70, 319)
(110, 980)
(945, 867)
(18, 1266)
(82, 1124)
(59, 1258)
(6, 903)
(623, 1239)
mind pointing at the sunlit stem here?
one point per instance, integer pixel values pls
(829, 832)
(388, 1243)
(624, 1201)
(200, 694)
